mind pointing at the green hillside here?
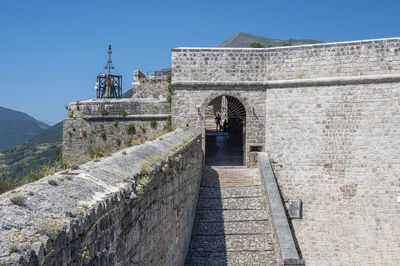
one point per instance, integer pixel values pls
(17, 127)
(243, 40)
(51, 135)
(37, 157)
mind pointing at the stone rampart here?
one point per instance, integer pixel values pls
(346, 59)
(135, 207)
(100, 126)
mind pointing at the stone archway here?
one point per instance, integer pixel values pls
(225, 144)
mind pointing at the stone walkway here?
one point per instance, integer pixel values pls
(231, 225)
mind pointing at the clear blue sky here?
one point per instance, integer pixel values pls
(52, 51)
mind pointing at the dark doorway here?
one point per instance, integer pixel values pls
(225, 145)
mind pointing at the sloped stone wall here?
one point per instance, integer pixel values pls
(89, 216)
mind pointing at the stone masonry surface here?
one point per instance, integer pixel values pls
(89, 216)
(331, 127)
(337, 149)
(149, 86)
(359, 58)
(110, 124)
(232, 225)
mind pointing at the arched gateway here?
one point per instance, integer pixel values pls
(225, 142)
(243, 109)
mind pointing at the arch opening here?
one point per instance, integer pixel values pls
(225, 141)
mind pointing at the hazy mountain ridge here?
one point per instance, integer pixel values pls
(243, 40)
(17, 127)
(9, 114)
(50, 135)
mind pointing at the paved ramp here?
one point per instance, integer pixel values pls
(231, 225)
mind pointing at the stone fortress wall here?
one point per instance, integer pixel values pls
(105, 125)
(133, 208)
(328, 116)
(346, 59)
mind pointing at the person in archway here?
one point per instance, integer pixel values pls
(218, 121)
(225, 126)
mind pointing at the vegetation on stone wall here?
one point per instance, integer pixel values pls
(131, 129)
(169, 98)
(168, 125)
(97, 151)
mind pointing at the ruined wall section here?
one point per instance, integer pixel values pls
(337, 148)
(89, 216)
(99, 126)
(346, 59)
(155, 86)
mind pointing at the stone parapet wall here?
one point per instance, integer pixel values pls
(105, 125)
(336, 147)
(89, 216)
(117, 107)
(342, 59)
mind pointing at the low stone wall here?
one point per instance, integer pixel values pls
(286, 248)
(134, 207)
(100, 126)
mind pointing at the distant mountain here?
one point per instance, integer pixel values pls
(50, 135)
(127, 94)
(36, 152)
(50, 123)
(243, 40)
(17, 127)
(9, 114)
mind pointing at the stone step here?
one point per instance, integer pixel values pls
(251, 203)
(230, 170)
(228, 243)
(231, 224)
(207, 216)
(230, 192)
(244, 183)
(232, 258)
(231, 228)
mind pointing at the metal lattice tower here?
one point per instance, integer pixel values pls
(107, 84)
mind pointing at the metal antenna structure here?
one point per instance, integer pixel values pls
(108, 85)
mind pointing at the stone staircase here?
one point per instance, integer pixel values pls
(231, 225)
(210, 123)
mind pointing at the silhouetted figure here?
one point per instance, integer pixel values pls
(225, 126)
(218, 121)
